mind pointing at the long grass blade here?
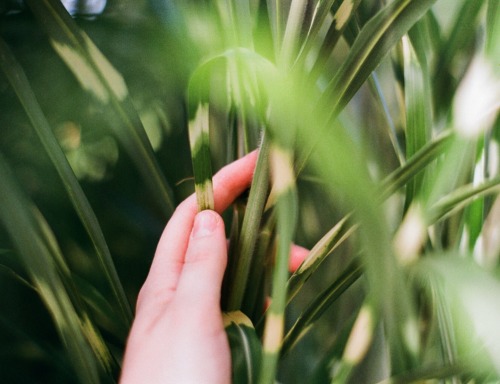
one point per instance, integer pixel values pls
(418, 101)
(461, 197)
(325, 246)
(284, 184)
(319, 305)
(376, 38)
(398, 178)
(250, 232)
(246, 350)
(21, 86)
(97, 76)
(17, 215)
(339, 23)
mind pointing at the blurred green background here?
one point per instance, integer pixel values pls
(156, 50)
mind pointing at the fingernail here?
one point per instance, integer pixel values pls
(205, 223)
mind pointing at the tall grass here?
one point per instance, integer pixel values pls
(377, 124)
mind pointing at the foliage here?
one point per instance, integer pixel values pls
(377, 127)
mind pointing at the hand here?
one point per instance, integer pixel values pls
(178, 334)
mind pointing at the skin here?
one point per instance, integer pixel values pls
(178, 334)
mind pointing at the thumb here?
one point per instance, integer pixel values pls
(205, 261)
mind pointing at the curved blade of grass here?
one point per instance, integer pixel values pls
(89, 329)
(328, 243)
(250, 231)
(246, 350)
(340, 21)
(8, 268)
(319, 305)
(97, 76)
(101, 309)
(376, 38)
(417, 163)
(286, 211)
(452, 171)
(21, 86)
(89, 356)
(461, 197)
(374, 41)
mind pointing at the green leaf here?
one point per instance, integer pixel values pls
(97, 76)
(320, 304)
(398, 178)
(340, 21)
(344, 228)
(21, 86)
(87, 351)
(244, 252)
(418, 101)
(376, 38)
(238, 67)
(463, 196)
(245, 347)
(325, 246)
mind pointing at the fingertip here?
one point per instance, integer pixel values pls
(297, 256)
(205, 224)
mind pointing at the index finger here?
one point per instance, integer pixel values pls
(230, 182)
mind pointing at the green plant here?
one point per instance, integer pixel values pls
(378, 129)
